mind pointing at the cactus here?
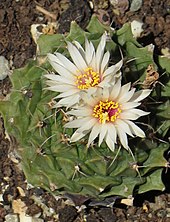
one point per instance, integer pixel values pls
(49, 160)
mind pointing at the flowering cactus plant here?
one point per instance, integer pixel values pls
(73, 114)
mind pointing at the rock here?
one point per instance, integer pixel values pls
(11, 218)
(4, 68)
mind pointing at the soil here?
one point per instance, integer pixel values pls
(17, 45)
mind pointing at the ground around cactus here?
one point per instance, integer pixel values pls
(17, 45)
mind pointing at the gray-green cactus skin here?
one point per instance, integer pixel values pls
(49, 160)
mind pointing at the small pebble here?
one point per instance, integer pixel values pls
(34, 219)
(135, 5)
(11, 218)
(4, 68)
(136, 28)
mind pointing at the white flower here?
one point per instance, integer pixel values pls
(87, 71)
(109, 115)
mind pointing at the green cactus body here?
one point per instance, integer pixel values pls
(49, 160)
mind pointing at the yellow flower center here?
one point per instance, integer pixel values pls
(107, 111)
(88, 79)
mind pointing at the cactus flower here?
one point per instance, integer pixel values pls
(109, 114)
(87, 71)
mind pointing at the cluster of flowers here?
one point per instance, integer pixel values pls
(92, 91)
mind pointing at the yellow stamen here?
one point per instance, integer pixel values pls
(107, 111)
(88, 79)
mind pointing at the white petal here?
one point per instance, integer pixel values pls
(76, 123)
(89, 51)
(128, 115)
(88, 125)
(112, 70)
(66, 63)
(80, 48)
(135, 129)
(124, 97)
(140, 95)
(53, 58)
(123, 138)
(129, 105)
(110, 143)
(132, 114)
(106, 82)
(89, 100)
(102, 134)
(59, 87)
(70, 100)
(124, 126)
(100, 52)
(76, 57)
(115, 90)
(61, 70)
(105, 95)
(76, 136)
(139, 112)
(123, 91)
(61, 79)
(67, 93)
(104, 61)
(81, 112)
(112, 132)
(94, 133)
(90, 91)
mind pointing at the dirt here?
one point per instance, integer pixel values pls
(17, 45)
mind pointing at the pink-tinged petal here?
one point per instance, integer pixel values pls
(112, 70)
(135, 129)
(140, 95)
(94, 133)
(66, 63)
(104, 62)
(123, 138)
(124, 126)
(76, 57)
(110, 143)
